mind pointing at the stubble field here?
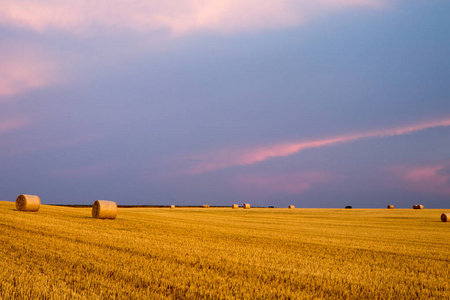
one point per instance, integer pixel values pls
(224, 253)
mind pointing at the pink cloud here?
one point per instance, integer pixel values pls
(432, 178)
(291, 183)
(11, 124)
(21, 70)
(239, 157)
(177, 17)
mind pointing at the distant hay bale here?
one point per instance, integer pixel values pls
(390, 206)
(234, 206)
(271, 206)
(445, 217)
(348, 206)
(103, 209)
(246, 206)
(206, 206)
(28, 203)
(291, 206)
(172, 206)
(418, 206)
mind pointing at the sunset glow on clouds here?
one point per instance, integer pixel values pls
(229, 158)
(21, 71)
(11, 124)
(177, 17)
(432, 178)
(219, 101)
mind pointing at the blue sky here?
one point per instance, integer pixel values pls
(315, 104)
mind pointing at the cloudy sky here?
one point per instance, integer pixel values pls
(321, 103)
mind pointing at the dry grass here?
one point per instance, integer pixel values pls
(220, 253)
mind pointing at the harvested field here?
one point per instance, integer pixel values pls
(191, 253)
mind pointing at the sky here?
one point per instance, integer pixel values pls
(322, 103)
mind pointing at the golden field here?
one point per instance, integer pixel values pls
(224, 253)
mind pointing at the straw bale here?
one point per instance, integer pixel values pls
(246, 206)
(206, 206)
(418, 206)
(445, 217)
(103, 209)
(172, 206)
(28, 203)
(348, 206)
(291, 206)
(390, 206)
(234, 206)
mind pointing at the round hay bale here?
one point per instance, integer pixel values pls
(418, 206)
(234, 206)
(172, 206)
(348, 206)
(246, 206)
(390, 206)
(28, 203)
(206, 206)
(445, 217)
(103, 209)
(291, 206)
